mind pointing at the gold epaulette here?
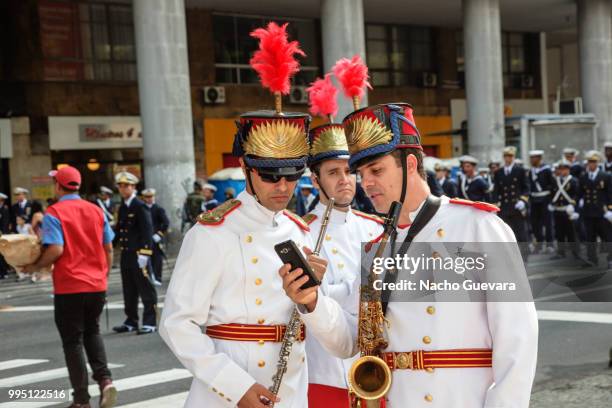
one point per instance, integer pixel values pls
(298, 220)
(309, 218)
(217, 215)
(370, 217)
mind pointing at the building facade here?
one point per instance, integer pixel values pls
(75, 63)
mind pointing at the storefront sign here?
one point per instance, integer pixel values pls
(94, 132)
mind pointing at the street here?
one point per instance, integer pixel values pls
(574, 349)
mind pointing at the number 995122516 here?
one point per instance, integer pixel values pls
(35, 394)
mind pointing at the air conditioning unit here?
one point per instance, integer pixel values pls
(526, 81)
(298, 95)
(430, 80)
(214, 95)
(569, 106)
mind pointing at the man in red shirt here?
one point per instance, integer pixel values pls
(77, 240)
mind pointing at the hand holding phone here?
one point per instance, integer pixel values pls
(290, 254)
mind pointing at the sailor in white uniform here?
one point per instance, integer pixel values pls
(443, 354)
(225, 311)
(347, 229)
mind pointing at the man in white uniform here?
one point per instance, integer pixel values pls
(493, 345)
(346, 230)
(225, 312)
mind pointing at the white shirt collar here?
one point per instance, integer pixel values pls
(256, 211)
(336, 216)
(414, 213)
(129, 200)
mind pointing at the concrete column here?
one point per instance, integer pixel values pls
(595, 50)
(343, 35)
(483, 78)
(165, 101)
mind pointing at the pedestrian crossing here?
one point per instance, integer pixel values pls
(123, 385)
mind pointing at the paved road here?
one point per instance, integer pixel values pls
(575, 342)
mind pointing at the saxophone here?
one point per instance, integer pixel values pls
(293, 327)
(369, 376)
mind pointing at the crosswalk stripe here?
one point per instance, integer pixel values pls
(122, 384)
(574, 293)
(40, 376)
(584, 317)
(48, 308)
(174, 400)
(20, 362)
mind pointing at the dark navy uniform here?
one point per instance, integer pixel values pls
(24, 211)
(434, 187)
(4, 219)
(607, 166)
(541, 183)
(509, 190)
(577, 169)
(474, 189)
(134, 231)
(596, 195)
(564, 193)
(450, 188)
(4, 229)
(160, 227)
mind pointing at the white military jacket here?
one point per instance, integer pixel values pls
(227, 272)
(509, 328)
(346, 231)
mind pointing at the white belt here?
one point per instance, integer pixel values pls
(540, 193)
(561, 208)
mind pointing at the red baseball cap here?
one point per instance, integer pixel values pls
(68, 177)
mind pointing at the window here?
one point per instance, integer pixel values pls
(234, 47)
(107, 41)
(514, 65)
(398, 55)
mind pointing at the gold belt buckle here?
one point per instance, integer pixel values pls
(404, 360)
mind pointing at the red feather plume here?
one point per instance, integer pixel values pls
(322, 96)
(274, 62)
(352, 75)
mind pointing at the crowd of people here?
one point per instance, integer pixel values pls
(569, 201)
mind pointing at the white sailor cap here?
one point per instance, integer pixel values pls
(125, 177)
(608, 145)
(509, 150)
(593, 155)
(209, 186)
(3, 196)
(570, 150)
(533, 153)
(307, 185)
(106, 190)
(563, 163)
(441, 166)
(20, 190)
(468, 159)
(483, 170)
(148, 192)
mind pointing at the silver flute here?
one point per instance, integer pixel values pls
(294, 325)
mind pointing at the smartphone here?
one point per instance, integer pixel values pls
(290, 254)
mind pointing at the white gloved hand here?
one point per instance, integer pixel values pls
(574, 216)
(581, 203)
(570, 209)
(156, 238)
(608, 215)
(520, 205)
(551, 207)
(143, 260)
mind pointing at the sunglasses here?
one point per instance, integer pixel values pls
(275, 177)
